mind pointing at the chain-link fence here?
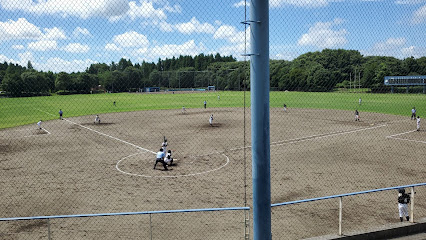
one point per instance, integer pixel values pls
(89, 91)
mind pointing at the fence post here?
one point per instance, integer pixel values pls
(412, 205)
(340, 215)
(48, 229)
(150, 226)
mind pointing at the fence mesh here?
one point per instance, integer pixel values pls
(89, 91)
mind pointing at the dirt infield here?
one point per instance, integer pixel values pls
(74, 166)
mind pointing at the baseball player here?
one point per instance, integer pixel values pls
(168, 159)
(285, 107)
(359, 101)
(160, 158)
(183, 110)
(413, 113)
(211, 120)
(205, 104)
(164, 144)
(60, 114)
(356, 115)
(39, 124)
(403, 200)
(97, 119)
(418, 123)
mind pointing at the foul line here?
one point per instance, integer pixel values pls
(404, 139)
(101, 133)
(313, 137)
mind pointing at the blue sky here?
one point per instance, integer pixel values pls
(69, 35)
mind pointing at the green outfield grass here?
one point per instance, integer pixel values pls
(21, 111)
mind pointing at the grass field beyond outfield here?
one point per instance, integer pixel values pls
(21, 111)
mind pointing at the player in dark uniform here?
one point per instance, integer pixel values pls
(403, 200)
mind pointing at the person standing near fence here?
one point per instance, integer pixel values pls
(403, 200)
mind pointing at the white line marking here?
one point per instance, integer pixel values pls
(104, 134)
(404, 139)
(391, 136)
(185, 175)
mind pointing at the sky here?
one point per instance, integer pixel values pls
(69, 35)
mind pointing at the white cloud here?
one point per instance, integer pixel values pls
(194, 26)
(131, 39)
(54, 34)
(20, 29)
(409, 1)
(242, 4)
(78, 31)
(227, 32)
(112, 47)
(78, 8)
(300, 3)
(61, 65)
(145, 10)
(321, 35)
(43, 45)
(3, 59)
(18, 47)
(170, 50)
(77, 48)
(166, 27)
(419, 16)
(395, 47)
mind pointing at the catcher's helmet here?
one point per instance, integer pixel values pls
(401, 190)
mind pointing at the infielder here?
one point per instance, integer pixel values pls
(160, 158)
(205, 104)
(285, 107)
(418, 123)
(211, 120)
(39, 124)
(97, 119)
(403, 200)
(356, 115)
(183, 110)
(60, 114)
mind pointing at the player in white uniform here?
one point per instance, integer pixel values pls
(356, 115)
(413, 113)
(164, 145)
(39, 124)
(418, 123)
(183, 110)
(168, 159)
(211, 120)
(97, 119)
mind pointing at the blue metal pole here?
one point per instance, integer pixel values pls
(260, 133)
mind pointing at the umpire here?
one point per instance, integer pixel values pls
(160, 158)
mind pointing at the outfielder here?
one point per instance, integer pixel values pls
(403, 200)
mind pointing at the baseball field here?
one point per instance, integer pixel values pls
(76, 166)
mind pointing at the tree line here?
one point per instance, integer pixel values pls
(313, 71)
